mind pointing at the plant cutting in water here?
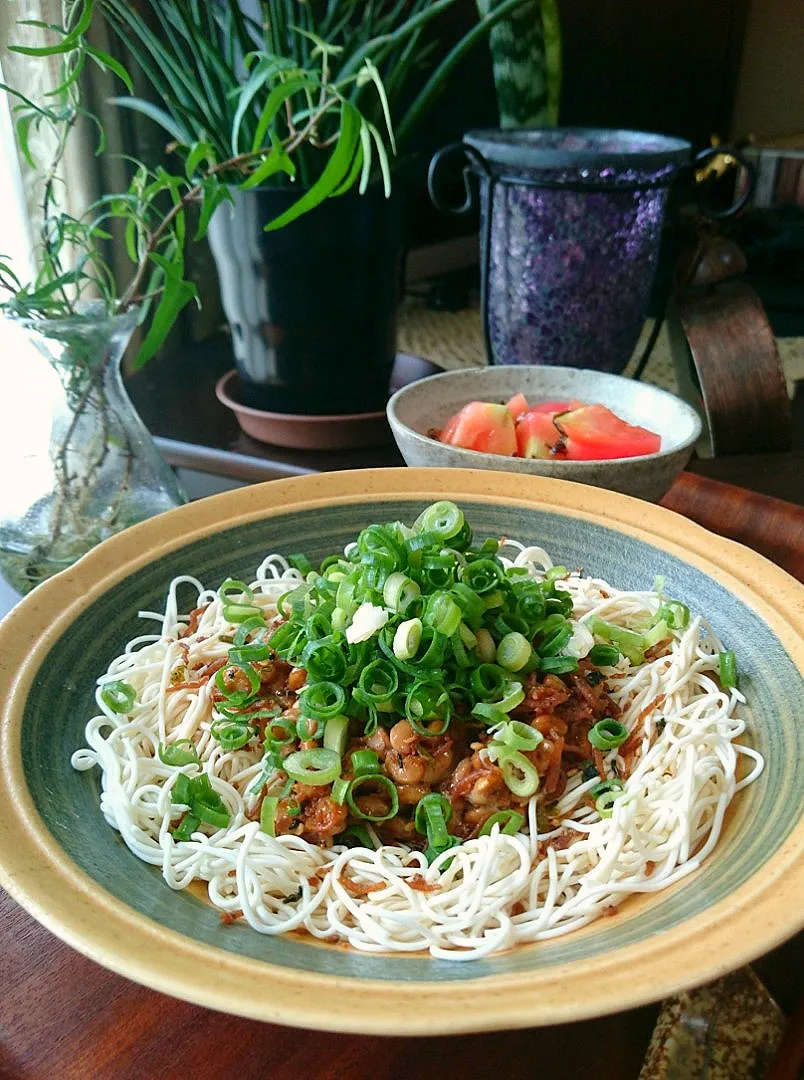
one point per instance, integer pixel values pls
(74, 285)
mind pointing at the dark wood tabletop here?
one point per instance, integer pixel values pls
(63, 1017)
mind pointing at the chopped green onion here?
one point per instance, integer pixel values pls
(443, 519)
(607, 734)
(433, 803)
(675, 614)
(246, 654)
(321, 700)
(186, 827)
(519, 774)
(630, 644)
(407, 639)
(374, 779)
(513, 695)
(425, 703)
(300, 562)
(483, 575)
(340, 788)
(239, 613)
(604, 655)
(231, 735)
(490, 714)
(658, 632)
(211, 815)
(605, 795)
(556, 637)
(316, 767)
(442, 613)
(308, 728)
(336, 734)
(268, 815)
(365, 763)
(234, 696)
(489, 682)
(486, 649)
(510, 822)
(232, 587)
(118, 696)
(400, 591)
(727, 663)
(432, 851)
(513, 652)
(324, 658)
(378, 683)
(255, 623)
(181, 791)
(286, 728)
(360, 835)
(558, 665)
(519, 736)
(181, 752)
(556, 573)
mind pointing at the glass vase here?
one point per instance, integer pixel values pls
(78, 464)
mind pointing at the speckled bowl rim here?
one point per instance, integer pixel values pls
(764, 911)
(579, 467)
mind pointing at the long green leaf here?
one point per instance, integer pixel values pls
(336, 169)
(176, 296)
(426, 97)
(107, 61)
(215, 195)
(70, 40)
(153, 112)
(273, 103)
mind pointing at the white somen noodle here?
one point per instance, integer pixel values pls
(489, 893)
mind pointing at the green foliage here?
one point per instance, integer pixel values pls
(526, 54)
(226, 136)
(368, 52)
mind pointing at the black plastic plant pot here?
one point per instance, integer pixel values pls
(311, 306)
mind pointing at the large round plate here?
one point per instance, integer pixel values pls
(73, 873)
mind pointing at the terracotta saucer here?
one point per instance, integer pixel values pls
(346, 431)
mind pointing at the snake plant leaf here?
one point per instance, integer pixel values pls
(527, 63)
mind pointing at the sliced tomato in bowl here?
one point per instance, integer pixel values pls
(483, 426)
(517, 405)
(537, 436)
(595, 433)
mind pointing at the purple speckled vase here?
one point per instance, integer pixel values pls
(571, 225)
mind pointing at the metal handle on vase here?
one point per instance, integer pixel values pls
(751, 181)
(478, 164)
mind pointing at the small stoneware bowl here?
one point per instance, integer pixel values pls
(427, 404)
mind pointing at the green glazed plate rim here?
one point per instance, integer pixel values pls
(764, 911)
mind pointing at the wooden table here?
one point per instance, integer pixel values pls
(63, 1017)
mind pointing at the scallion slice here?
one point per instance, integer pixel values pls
(230, 734)
(606, 794)
(443, 519)
(510, 822)
(608, 734)
(340, 788)
(240, 613)
(365, 763)
(268, 815)
(378, 779)
(321, 700)
(630, 644)
(519, 736)
(407, 638)
(118, 696)
(246, 654)
(336, 734)
(181, 752)
(400, 591)
(235, 696)
(186, 827)
(232, 588)
(519, 774)
(316, 767)
(513, 651)
(727, 663)
(604, 655)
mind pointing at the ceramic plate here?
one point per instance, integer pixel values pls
(73, 873)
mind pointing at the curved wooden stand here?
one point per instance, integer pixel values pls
(721, 335)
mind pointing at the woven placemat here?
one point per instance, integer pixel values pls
(454, 339)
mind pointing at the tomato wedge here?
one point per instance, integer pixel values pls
(554, 407)
(517, 405)
(594, 433)
(483, 426)
(536, 435)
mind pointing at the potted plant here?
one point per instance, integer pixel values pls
(311, 303)
(81, 465)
